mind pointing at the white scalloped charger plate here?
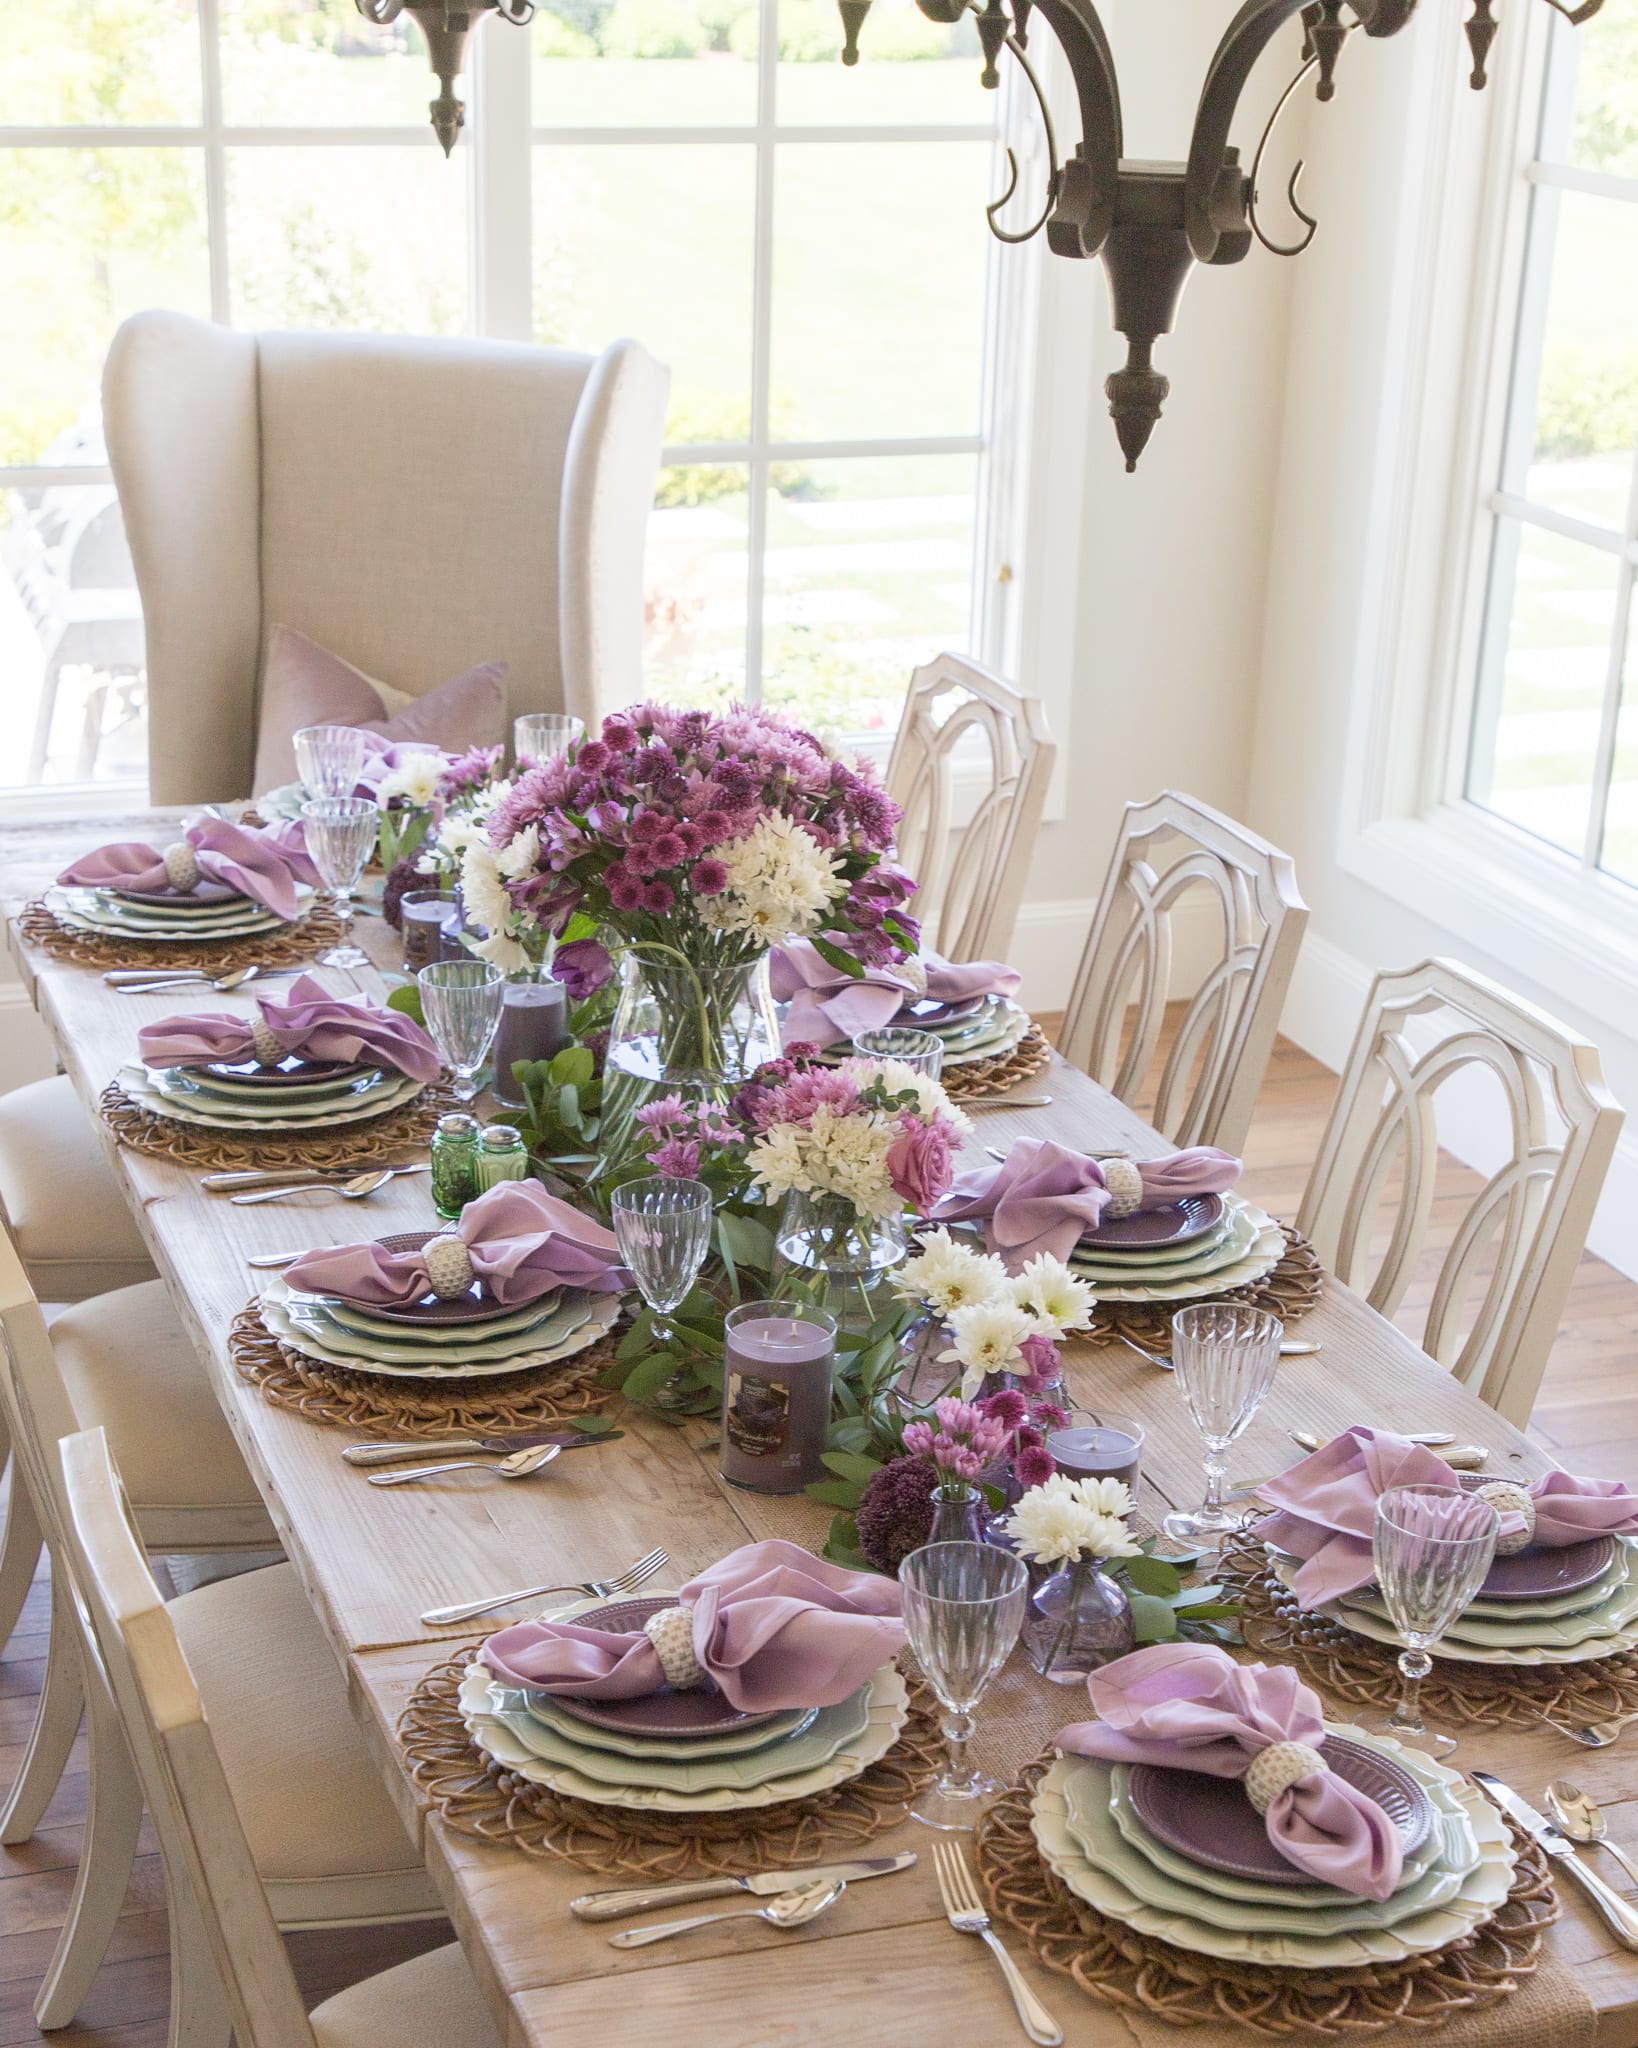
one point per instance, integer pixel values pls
(605, 1310)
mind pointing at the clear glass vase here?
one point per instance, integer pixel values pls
(921, 1376)
(959, 1514)
(680, 1028)
(1078, 1620)
(837, 1257)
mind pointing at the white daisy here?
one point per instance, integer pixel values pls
(1058, 1299)
(1060, 1522)
(415, 779)
(985, 1339)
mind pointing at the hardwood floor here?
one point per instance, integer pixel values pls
(1587, 1414)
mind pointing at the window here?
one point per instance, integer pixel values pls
(805, 245)
(1554, 739)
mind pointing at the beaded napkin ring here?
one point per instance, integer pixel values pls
(181, 867)
(1508, 1499)
(267, 1048)
(1125, 1185)
(449, 1265)
(1276, 1769)
(671, 1631)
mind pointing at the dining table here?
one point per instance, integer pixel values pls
(883, 1963)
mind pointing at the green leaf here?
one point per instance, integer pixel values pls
(852, 1433)
(851, 1465)
(836, 1493)
(1216, 1610)
(751, 1241)
(634, 1343)
(573, 1067)
(407, 999)
(1152, 1575)
(1195, 1596)
(1153, 1619)
(844, 963)
(648, 1378)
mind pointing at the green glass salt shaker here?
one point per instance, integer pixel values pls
(502, 1155)
(454, 1163)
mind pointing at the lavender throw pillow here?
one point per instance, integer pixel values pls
(304, 684)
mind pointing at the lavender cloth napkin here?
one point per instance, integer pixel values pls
(264, 865)
(827, 1005)
(1190, 1707)
(312, 1024)
(773, 1627)
(953, 981)
(1325, 1507)
(523, 1243)
(1044, 1197)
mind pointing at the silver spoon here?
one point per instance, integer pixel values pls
(519, 1465)
(130, 982)
(795, 1908)
(1459, 1457)
(1008, 1102)
(1290, 1347)
(353, 1190)
(1595, 1734)
(1582, 1819)
(1435, 1439)
(272, 1259)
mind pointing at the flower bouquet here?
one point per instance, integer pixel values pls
(422, 791)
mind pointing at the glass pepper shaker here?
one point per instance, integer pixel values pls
(454, 1163)
(502, 1155)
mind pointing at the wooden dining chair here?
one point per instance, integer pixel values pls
(1499, 1286)
(1195, 909)
(228, 1966)
(962, 724)
(338, 1854)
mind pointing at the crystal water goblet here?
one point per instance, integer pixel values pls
(339, 832)
(662, 1224)
(329, 758)
(1432, 1547)
(922, 1051)
(963, 1605)
(1224, 1355)
(540, 736)
(461, 1001)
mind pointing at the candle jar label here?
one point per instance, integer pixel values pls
(758, 1416)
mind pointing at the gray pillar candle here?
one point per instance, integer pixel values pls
(533, 1025)
(775, 1395)
(1097, 1446)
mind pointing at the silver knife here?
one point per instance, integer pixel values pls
(396, 1454)
(613, 1905)
(293, 1176)
(1619, 1917)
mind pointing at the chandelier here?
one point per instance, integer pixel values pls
(1148, 223)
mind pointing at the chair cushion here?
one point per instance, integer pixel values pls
(430, 2002)
(305, 684)
(61, 1202)
(128, 1364)
(310, 1799)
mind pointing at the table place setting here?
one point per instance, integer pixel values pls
(754, 1717)
(985, 1040)
(222, 895)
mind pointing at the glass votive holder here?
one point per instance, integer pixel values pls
(776, 1371)
(1093, 1444)
(918, 1049)
(430, 921)
(540, 736)
(534, 1024)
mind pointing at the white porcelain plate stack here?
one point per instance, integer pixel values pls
(246, 1098)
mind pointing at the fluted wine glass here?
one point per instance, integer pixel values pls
(540, 736)
(329, 758)
(1224, 1355)
(339, 832)
(461, 1001)
(963, 1605)
(1432, 1546)
(662, 1224)
(922, 1051)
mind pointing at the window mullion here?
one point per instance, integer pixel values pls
(499, 148)
(756, 540)
(210, 87)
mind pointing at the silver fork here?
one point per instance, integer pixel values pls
(965, 1912)
(628, 1581)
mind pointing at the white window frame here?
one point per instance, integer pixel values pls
(1453, 300)
(1030, 482)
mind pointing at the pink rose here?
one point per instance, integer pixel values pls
(918, 1163)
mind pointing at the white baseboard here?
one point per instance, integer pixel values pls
(1322, 1011)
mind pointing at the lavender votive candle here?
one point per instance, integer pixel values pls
(429, 920)
(777, 1362)
(534, 1023)
(1097, 1445)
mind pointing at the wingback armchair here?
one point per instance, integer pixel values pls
(415, 506)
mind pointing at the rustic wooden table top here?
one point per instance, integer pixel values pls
(372, 1559)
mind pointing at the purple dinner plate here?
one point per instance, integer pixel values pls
(1147, 1229)
(289, 1072)
(477, 1305)
(1213, 1823)
(924, 1010)
(204, 892)
(1542, 1574)
(655, 1713)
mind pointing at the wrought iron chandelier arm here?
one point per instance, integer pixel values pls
(1214, 195)
(1088, 183)
(380, 11)
(1307, 219)
(1023, 235)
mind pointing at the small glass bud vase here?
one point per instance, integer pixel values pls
(958, 1514)
(1078, 1620)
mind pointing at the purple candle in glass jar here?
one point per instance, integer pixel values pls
(1097, 1446)
(428, 919)
(534, 1023)
(776, 1369)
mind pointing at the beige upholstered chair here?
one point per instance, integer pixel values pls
(228, 1966)
(1502, 1281)
(414, 506)
(960, 719)
(336, 1854)
(1191, 896)
(58, 1199)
